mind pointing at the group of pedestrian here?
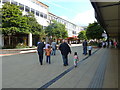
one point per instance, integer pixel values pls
(109, 44)
(64, 49)
(87, 47)
(47, 47)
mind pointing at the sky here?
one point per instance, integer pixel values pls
(79, 12)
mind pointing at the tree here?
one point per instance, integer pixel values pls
(94, 31)
(56, 30)
(12, 20)
(82, 35)
(34, 26)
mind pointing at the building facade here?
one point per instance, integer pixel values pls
(72, 29)
(39, 9)
(43, 16)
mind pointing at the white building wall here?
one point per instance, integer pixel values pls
(36, 7)
(39, 8)
(72, 29)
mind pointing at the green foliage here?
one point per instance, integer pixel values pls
(82, 35)
(56, 30)
(12, 20)
(34, 27)
(94, 31)
(19, 45)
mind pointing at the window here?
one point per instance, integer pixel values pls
(32, 10)
(13, 2)
(44, 27)
(41, 14)
(37, 13)
(21, 6)
(45, 7)
(74, 32)
(27, 9)
(45, 16)
(4, 1)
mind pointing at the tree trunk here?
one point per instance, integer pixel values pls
(9, 39)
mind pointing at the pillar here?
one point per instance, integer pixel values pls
(1, 41)
(30, 40)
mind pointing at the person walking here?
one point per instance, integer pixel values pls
(48, 52)
(46, 45)
(54, 47)
(85, 47)
(110, 44)
(115, 44)
(65, 50)
(75, 59)
(40, 47)
(106, 43)
(89, 49)
(103, 44)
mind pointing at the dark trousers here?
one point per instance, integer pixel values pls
(89, 52)
(40, 57)
(48, 59)
(65, 60)
(85, 50)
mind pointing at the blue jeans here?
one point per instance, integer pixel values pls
(65, 60)
(53, 51)
(48, 59)
(85, 50)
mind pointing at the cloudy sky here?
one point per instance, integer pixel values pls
(79, 12)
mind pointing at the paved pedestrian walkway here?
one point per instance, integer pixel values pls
(96, 71)
(91, 74)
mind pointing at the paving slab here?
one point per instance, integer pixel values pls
(24, 70)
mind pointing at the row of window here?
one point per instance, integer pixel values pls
(27, 9)
(62, 21)
(74, 32)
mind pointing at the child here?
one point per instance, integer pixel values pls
(75, 59)
(89, 49)
(48, 52)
